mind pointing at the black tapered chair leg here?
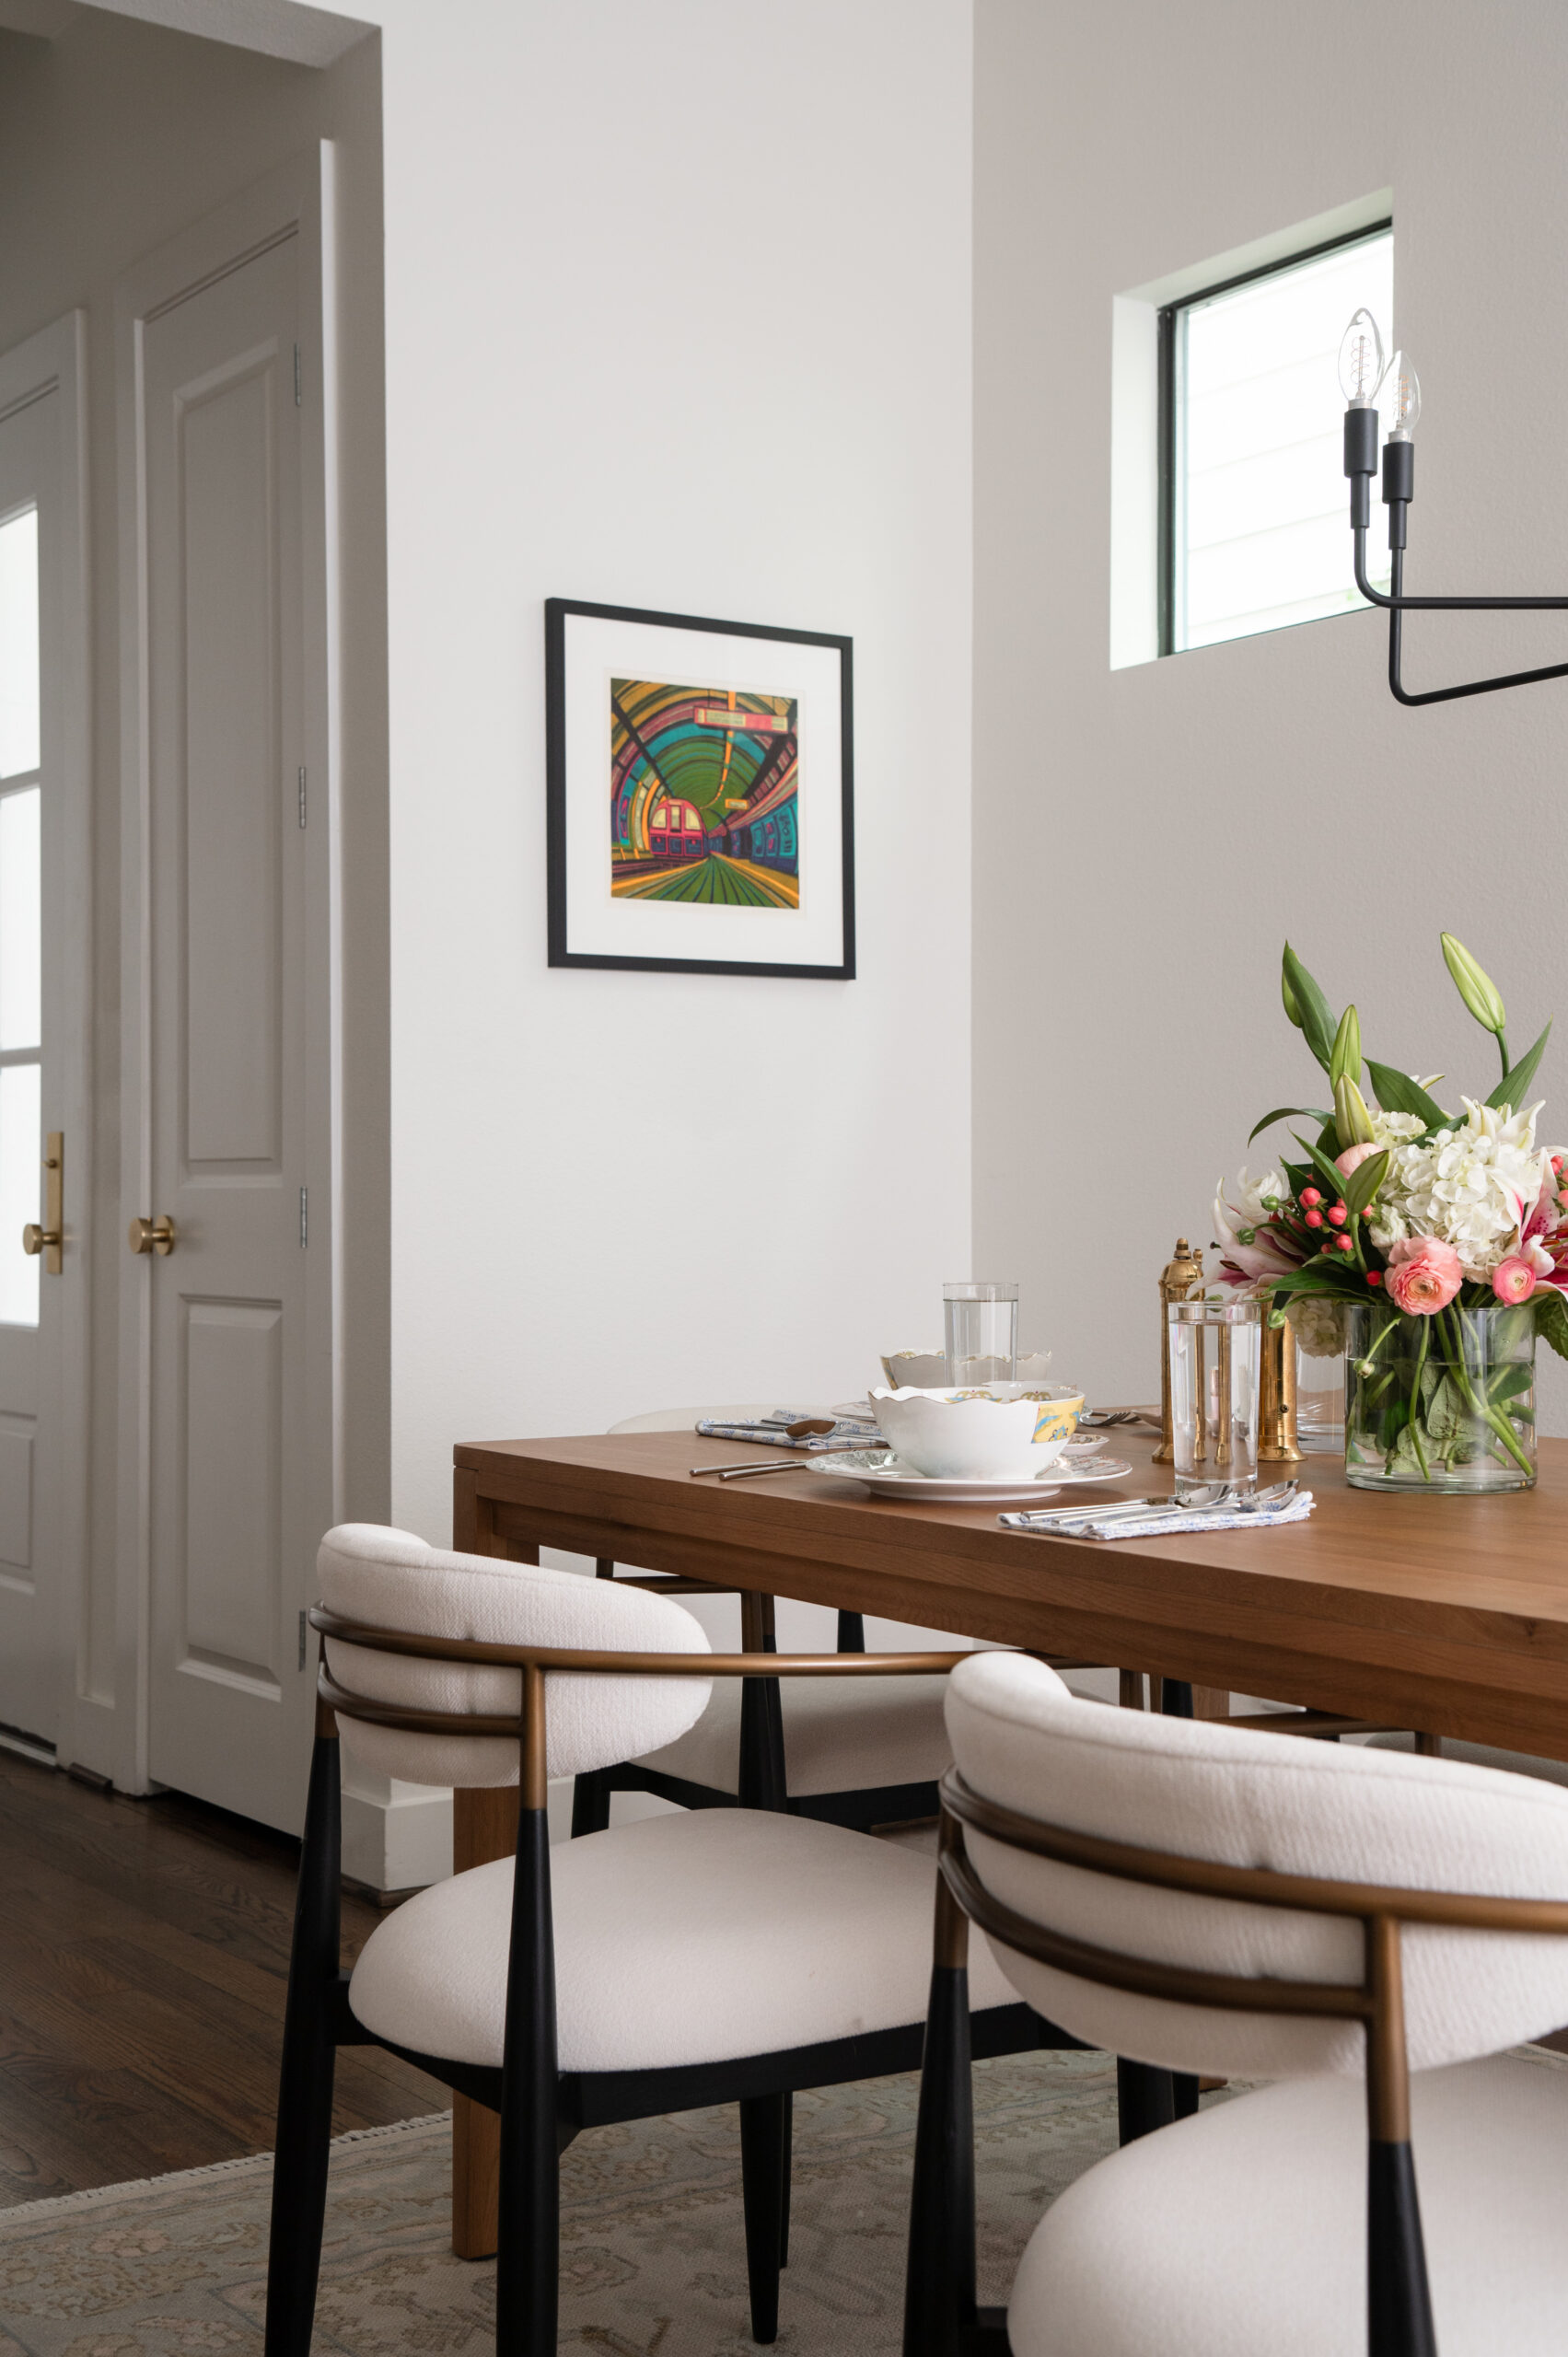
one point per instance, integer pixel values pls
(1184, 2094)
(305, 2088)
(852, 1632)
(786, 2140)
(1399, 2303)
(528, 2256)
(940, 2285)
(590, 1805)
(1146, 2099)
(762, 2187)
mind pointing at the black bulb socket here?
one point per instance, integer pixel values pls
(1362, 426)
(1398, 471)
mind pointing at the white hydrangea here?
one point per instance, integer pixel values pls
(1473, 1185)
(1318, 1325)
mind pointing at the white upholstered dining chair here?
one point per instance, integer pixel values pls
(858, 1756)
(700, 1957)
(1368, 1930)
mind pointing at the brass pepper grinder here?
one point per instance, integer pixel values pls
(1276, 1397)
(1176, 1281)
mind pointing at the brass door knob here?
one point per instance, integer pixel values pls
(40, 1239)
(153, 1235)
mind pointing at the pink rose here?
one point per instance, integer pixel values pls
(1424, 1275)
(1514, 1280)
(1352, 1158)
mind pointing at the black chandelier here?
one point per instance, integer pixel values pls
(1363, 376)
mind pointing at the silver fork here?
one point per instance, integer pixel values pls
(1068, 1521)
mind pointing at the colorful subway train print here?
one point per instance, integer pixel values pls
(704, 795)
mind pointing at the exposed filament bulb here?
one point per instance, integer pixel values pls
(1405, 406)
(1361, 361)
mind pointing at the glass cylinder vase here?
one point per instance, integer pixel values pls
(1318, 1331)
(1442, 1404)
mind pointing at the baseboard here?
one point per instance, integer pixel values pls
(398, 1844)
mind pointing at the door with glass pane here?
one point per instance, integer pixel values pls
(29, 1634)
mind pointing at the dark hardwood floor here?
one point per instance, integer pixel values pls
(144, 1951)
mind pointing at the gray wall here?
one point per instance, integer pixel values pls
(1145, 838)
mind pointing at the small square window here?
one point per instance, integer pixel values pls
(1252, 492)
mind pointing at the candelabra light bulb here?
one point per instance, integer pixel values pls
(1405, 404)
(1361, 361)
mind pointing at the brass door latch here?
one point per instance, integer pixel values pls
(153, 1235)
(50, 1239)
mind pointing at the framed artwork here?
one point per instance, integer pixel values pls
(701, 809)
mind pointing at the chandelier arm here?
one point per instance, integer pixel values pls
(1397, 605)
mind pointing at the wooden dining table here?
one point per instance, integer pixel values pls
(1446, 1615)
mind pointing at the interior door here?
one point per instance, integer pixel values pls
(30, 1043)
(229, 1696)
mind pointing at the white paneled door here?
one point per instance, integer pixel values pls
(232, 1507)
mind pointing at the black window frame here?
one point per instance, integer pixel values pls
(1165, 423)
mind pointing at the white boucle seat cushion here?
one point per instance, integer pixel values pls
(695, 1937)
(841, 1735)
(1245, 2229)
(1199, 1788)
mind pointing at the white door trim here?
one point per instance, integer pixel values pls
(294, 200)
(54, 362)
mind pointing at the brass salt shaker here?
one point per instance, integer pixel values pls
(1177, 1279)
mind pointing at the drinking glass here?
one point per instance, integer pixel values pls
(1215, 1352)
(1317, 1332)
(981, 1332)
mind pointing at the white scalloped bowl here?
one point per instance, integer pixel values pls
(988, 1433)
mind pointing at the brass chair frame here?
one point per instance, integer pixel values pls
(541, 2108)
(942, 2319)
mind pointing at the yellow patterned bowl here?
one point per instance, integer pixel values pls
(991, 1433)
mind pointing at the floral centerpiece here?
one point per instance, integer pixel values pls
(1433, 1244)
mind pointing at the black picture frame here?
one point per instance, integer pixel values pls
(559, 612)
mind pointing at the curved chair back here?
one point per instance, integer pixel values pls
(384, 1579)
(1209, 1899)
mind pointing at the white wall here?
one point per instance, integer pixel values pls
(1145, 838)
(677, 315)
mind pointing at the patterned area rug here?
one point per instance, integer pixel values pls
(653, 2257)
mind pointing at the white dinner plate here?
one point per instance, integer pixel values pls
(880, 1470)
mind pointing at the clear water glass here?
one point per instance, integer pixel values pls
(1215, 1360)
(981, 1331)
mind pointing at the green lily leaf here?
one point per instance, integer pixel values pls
(1364, 1181)
(1317, 1025)
(1397, 1093)
(1512, 1088)
(1288, 1114)
(1552, 1317)
(1326, 1171)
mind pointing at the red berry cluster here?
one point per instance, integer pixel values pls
(1314, 1213)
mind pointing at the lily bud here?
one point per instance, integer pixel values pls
(1292, 1010)
(1477, 989)
(1352, 1120)
(1346, 1057)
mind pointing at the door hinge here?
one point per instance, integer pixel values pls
(305, 1215)
(302, 1638)
(302, 797)
(296, 392)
